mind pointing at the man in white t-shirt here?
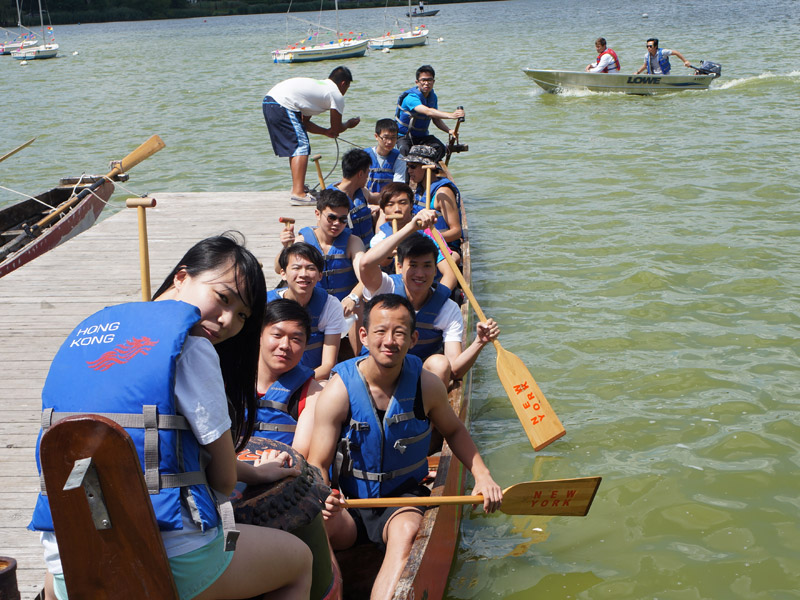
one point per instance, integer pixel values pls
(439, 322)
(656, 61)
(288, 108)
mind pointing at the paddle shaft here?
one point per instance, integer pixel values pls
(17, 149)
(319, 171)
(557, 497)
(393, 219)
(453, 139)
(140, 204)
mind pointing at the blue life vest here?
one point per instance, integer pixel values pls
(379, 176)
(441, 224)
(274, 418)
(378, 457)
(663, 61)
(312, 357)
(338, 276)
(403, 116)
(360, 215)
(430, 340)
(120, 363)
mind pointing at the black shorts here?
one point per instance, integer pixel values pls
(371, 521)
(286, 131)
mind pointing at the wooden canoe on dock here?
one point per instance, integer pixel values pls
(426, 572)
(21, 240)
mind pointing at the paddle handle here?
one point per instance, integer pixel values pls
(393, 219)
(316, 158)
(412, 501)
(428, 176)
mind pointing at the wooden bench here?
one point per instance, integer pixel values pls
(108, 538)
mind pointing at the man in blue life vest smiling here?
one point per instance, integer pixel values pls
(382, 407)
(416, 108)
(656, 61)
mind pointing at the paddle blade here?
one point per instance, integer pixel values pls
(146, 150)
(557, 497)
(533, 410)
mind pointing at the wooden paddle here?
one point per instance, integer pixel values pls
(533, 410)
(453, 138)
(150, 147)
(316, 158)
(140, 204)
(394, 219)
(17, 149)
(555, 497)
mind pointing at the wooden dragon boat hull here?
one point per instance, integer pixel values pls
(14, 219)
(425, 573)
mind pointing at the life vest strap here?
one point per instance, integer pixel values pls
(262, 403)
(402, 444)
(400, 417)
(381, 477)
(127, 420)
(285, 428)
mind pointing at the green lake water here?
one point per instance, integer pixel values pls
(640, 254)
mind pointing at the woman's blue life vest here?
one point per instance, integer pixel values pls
(360, 215)
(312, 357)
(120, 363)
(663, 61)
(429, 340)
(376, 457)
(338, 276)
(276, 418)
(379, 175)
(441, 224)
(403, 116)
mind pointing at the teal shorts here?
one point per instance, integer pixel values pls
(193, 572)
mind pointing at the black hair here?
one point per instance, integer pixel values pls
(340, 75)
(601, 41)
(654, 40)
(393, 189)
(415, 246)
(426, 69)
(283, 309)
(390, 301)
(389, 125)
(332, 198)
(303, 250)
(238, 356)
(354, 161)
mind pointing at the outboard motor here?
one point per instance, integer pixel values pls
(709, 68)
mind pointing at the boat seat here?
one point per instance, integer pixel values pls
(107, 533)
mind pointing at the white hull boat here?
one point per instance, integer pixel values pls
(16, 46)
(407, 39)
(34, 52)
(330, 51)
(628, 83)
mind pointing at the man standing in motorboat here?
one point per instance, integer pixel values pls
(288, 108)
(656, 61)
(607, 60)
(416, 108)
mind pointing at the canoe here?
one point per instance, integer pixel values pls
(407, 39)
(15, 251)
(330, 51)
(627, 83)
(425, 573)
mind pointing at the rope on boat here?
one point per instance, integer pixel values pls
(28, 196)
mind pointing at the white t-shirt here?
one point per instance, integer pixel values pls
(448, 321)
(399, 166)
(654, 64)
(332, 318)
(200, 397)
(308, 96)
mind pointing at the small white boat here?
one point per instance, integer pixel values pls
(32, 52)
(628, 83)
(407, 39)
(16, 45)
(329, 51)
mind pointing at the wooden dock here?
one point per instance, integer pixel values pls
(45, 299)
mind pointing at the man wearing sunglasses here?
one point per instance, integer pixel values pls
(656, 61)
(339, 248)
(416, 108)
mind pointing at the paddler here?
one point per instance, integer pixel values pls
(440, 325)
(656, 60)
(288, 108)
(607, 60)
(339, 249)
(386, 166)
(384, 405)
(356, 164)
(287, 391)
(445, 197)
(301, 266)
(416, 108)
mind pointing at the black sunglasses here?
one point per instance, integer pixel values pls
(332, 218)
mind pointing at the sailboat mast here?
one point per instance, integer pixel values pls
(336, 4)
(410, 18)
(41, 18)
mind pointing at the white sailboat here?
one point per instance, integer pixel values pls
(43, 49)
(22, 40)
(415, 36)
(307, 49)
